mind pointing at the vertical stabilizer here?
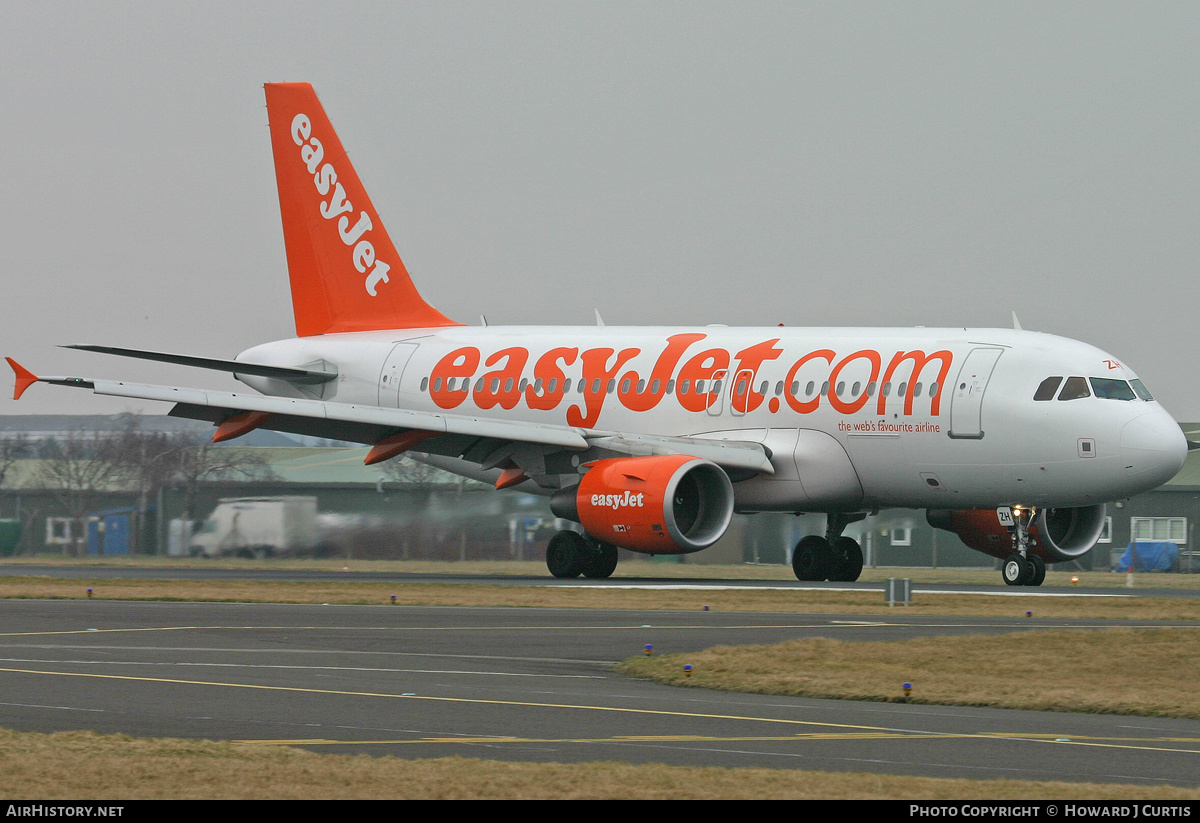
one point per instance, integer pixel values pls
(345, 273)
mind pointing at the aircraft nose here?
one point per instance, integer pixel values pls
(1153, 448)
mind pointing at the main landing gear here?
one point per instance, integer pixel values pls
(1022, 568)
(832, 557)
(570, 554)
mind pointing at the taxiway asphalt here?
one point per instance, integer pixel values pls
(530, 685)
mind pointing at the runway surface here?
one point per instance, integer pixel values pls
(530, 685)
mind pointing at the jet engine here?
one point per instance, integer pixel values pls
(1055, 534)
(669, 504)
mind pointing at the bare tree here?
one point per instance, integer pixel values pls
(405, 470)
(12, 449)
(78, 470)
(202, 462)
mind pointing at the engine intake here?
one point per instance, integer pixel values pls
(1056, 534)
(670, 504)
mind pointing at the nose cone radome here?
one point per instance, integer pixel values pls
(1153, 448)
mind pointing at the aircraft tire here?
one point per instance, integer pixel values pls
(566, 554)
(848, 560)
(813, 559)
(1017, 571)
(1039, 570)
(601, 561)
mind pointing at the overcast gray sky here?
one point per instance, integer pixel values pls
(937, 164)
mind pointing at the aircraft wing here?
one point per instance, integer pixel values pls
(521, 450)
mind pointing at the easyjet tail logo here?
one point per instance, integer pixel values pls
(338, 206)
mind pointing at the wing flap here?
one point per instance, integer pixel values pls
(561, 436)
(462, 434)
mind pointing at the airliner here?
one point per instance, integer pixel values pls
(651, 438)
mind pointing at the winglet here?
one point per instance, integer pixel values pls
(25, 378)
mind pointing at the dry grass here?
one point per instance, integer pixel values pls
(630, 567)
(91, 766)
(1113, 671)
(752, 600)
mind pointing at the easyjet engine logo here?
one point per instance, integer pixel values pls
(618, 501)
(338, 206)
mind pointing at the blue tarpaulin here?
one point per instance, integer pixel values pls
(1151, 556)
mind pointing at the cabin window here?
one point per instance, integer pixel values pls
(1074, 388)
(424, 383)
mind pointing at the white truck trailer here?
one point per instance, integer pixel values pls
(257, 527)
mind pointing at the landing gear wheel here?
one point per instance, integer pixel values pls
(567, 554)
(847, 560)
(1039, 570)
(601, 561)
(812, 559)
(1017, 570)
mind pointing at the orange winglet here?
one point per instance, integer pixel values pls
(240, 424)
(25, 378)
(511, 477)
(391, 446)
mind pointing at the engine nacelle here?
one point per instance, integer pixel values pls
(669, 504)
(1055, 534)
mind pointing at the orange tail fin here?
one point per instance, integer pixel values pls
(345, 273)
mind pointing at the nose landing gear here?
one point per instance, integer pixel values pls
(1022, 568)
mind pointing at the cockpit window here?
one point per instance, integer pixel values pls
(1074, 388)
(1141, 390)
(1111, 389)
(1047, 389)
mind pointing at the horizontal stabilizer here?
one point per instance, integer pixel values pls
(301, 376)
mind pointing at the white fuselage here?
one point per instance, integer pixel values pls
(852, 418)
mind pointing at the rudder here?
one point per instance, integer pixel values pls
(345, 272)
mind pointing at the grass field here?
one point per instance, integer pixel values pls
(1098, 671)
